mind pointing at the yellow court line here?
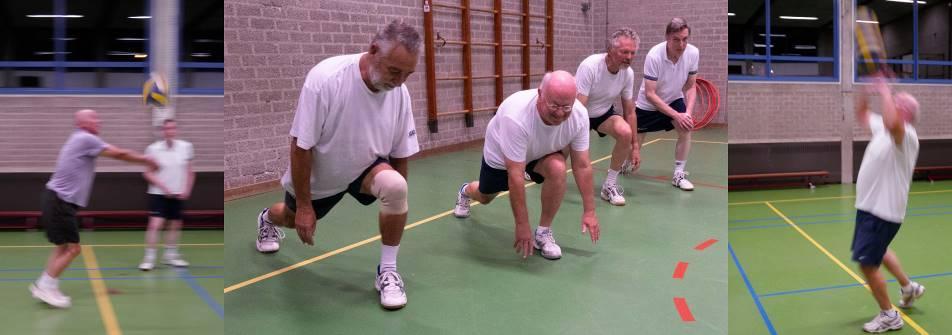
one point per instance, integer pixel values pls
(837, 261)
(824, 198)
(114, 245)
(694, 141)
(99, 290)
(372, 239)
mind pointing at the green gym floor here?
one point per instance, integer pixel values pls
(109, 294)
(463, 276)
(790, 267)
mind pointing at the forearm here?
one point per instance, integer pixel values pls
(154, 180)
(301, 161)
(517, 198)
(662, 107)
(582, 171)
(690, 97)
(191, 181)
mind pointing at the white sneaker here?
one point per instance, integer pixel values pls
(627, 169)
(545, 242)
(910, 297)
(883, 322)
(147, 264)
(680, 180)
(462, 203)
(526, 176)
(52, 297)
(390, 285)
(268, 235)
(174, 260)
(613, 194)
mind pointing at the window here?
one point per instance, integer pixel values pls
(916, 37)
(783, 40)
(202, 48)
(102, 46)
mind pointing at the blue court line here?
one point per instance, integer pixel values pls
(113, 278)
(833, 287)
(750, 289)
(775, 218)
(784, 224)
(183, 273)
(103, 269)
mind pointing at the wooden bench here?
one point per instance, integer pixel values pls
(114, 219)
(803, 178)
(933, 173)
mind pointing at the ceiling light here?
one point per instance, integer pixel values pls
(201, 54)
(775, 35)
(731, 14)
(804, 47)
(140, 55)
(908, 1)
(757, 45)
(48, 16)
(130, 39)
(140, 17)
(804, 18)
(52, 53)
(63, 38)
(865, 21)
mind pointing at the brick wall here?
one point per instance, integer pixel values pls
(270, 46)
(35, 128)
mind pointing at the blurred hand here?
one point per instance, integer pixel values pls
(305, 223)
(523, 243)
(590, 225)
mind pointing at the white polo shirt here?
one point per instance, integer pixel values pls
(173, 165)
(670, 77)
(518, 133)
(601, 86)
(348, 126)
(882, 186)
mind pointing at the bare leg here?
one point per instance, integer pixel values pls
(683, 146)
(64, 255)
(892, 264)
(552, 168)
(878, 285)
(617, 128)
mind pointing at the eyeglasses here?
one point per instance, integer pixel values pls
(563, 109)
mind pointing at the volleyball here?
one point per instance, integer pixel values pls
(155, 91)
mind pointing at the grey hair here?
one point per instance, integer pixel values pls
(622, 32)
(398, 32)
(677, 24)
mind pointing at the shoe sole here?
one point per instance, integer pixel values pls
(610, 202)
(33, 290)
(683, 189)
(544, 256)
(460, 216)
(884, 330)
(393, 308)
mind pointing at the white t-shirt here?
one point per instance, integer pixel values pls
(173, 165)
(518, 133)
(602, 87)
(882, 187)
(348, 126)
(670, 77)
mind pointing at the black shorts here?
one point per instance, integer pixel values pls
(59, 219)
(492, 180)
(871, 237)
(163, 207)
(593, 123)
(324, 205)
(652, 121)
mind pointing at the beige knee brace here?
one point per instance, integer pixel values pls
(391, 189)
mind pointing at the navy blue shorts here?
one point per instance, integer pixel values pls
(652, 121)
(167, 208)
(492, 181)
(593, 123)
(324, 205)
(871, 237)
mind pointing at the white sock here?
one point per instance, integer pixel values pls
(47, 282)
(388, 257)
(150, 253)
(171, 250)
(612, 178)
(890, 313)
(542, 229)
(267, 216)
(679, 165)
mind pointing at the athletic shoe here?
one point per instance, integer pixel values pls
(680, 180)
(910, 297)
(613, 194)
(147, 264)
(627, 168)
(174, 260)
(462, 203)
(52, 297)
(526, 176)
(390, 285)
(268, 235)
(545, 242)
(883, 322)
